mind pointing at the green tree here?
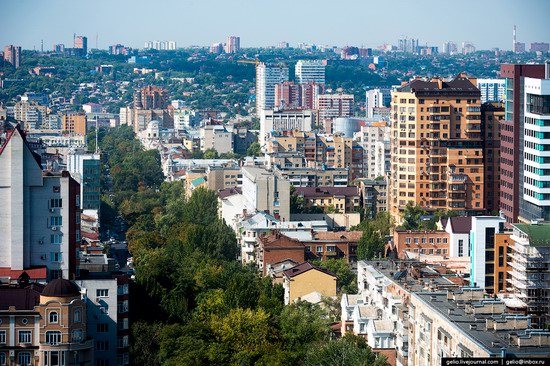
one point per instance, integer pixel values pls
(211, 154)
(349, 350)
(254, 149)
(412, 216)
(371, 245)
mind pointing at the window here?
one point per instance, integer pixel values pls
(76, 316)
(331, 248)
(102, 345)
(25, 336)
(102, 292)
(461, 248)
(102, 327)
(76, 336)
(55, 257)
(56, 221)
(53, 337)
(104, 310)
(318, 249)
(56, 238)
(2, 358)
(56, 203)
(2, 337)
(24, 358)
(54, 317)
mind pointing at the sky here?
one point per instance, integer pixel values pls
(260, 23)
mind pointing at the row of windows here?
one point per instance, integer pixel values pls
(424, 240)
(23, 358)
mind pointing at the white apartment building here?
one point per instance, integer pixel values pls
(275, 120)
(41, 212)
(185, 118)
(267, 76)
(126, 116)
(308, 71)
(375, 139)
(374, 99)
(264, 191)
(492, 90)
(216, 137)
(107, 304)
(482, 249)
(535, 203)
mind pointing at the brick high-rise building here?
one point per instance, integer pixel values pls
(289, 95)
(151, 97)
(12, 54)
(491, 116)
(512, 137)
(335, 105)
(436, 146)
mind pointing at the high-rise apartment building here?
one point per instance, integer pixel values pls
(331, 106)
(468, 47)
(437, 150)
(151, 97)
(535, 195)
(12, 54)
(86, 169)
(81, 42)
(267, 76)
(491, 116)
(233, 44)
(539, 47)
(375, 99)
(310, 71)
(512, 141)
(375, 139)
(30, 114)
(289, 95)
(75, 123)
(40, 218)
(492, 90)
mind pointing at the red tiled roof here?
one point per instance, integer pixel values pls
(34, 273)
(224, 193)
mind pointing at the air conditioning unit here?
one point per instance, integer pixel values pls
(52, 209)
(97, 299)
(41, 241)
(54, 228)
(43, 257)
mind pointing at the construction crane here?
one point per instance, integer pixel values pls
(255, 61)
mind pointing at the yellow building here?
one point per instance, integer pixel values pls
(306, 278)
(75, 123)
(437, 147)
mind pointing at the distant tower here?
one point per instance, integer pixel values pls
(514, 40)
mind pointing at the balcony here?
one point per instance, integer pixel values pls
(457, 177)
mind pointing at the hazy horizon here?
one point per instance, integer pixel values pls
(487, 24)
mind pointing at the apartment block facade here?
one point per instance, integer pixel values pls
(437, 150)
(267, 76)
(512, 137)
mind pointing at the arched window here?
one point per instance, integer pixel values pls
(54, 317)
(77, 317)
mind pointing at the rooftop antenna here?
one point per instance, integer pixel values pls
(514, 40)
(42, 45)
(96, 38)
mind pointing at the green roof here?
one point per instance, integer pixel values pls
(539, 234)
(198, 181)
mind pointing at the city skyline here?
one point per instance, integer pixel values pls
(487, 24)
